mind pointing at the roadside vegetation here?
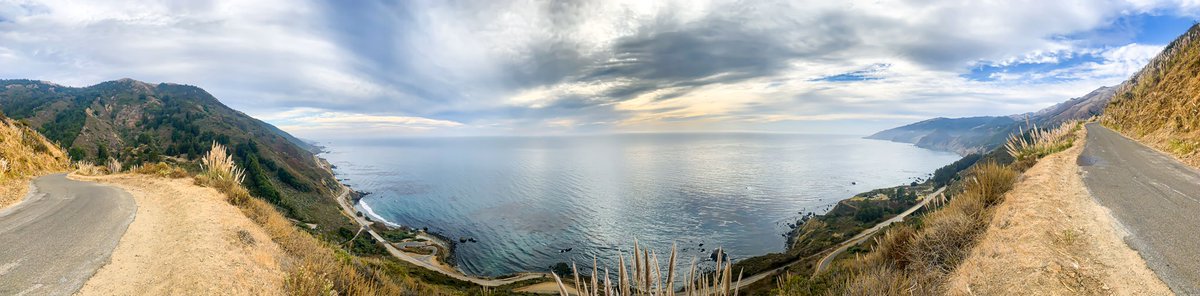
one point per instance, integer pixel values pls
(133, 123)
(24, 154)
(644, 275)
(318, 267)
(1158, 106)
(313, 266)
(915, 257)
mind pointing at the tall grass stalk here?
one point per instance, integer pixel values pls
(1039, 143)
(113, 166)
(643, 277)
(218, 164)
(314, 267)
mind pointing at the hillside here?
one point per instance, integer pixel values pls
(137, 122)
(1160, 105)
(960, 135)
(24, 154)
(978, 134)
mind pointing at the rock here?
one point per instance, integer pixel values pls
(719, 252)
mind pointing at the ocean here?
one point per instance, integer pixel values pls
(526, 200)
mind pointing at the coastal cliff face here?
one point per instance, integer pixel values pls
(959, 135)
(980, 134)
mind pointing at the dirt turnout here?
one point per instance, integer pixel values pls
(186, 240)
(1050, 237)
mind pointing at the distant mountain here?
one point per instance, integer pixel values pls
(1160, 104)
(138, 122)
(980, 134)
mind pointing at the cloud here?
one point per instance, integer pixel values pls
(315, 122)
(591, 65)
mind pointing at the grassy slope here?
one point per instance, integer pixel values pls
(24, 154)
(914, 257)
(1160, 105)
(141, 123)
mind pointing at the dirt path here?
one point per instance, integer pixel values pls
(186, 240)
(1050, 237)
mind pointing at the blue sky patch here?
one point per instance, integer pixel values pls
(870, 73)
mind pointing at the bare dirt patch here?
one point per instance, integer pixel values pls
(186, 240)
(1050, 237)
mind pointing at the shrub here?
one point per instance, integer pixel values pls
(219, 171)
(1038, 143)
(319, 268)
(87, 169)
(113, 166)
(160, 169)
(914, 258)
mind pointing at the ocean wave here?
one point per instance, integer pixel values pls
(375, 217)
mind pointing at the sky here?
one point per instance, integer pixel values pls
(342, 69)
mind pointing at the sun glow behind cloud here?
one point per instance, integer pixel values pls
(329, 68)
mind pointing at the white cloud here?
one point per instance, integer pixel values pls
(519, 66)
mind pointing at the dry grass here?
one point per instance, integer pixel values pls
(1038, 143)
(113, 166)
(915, 259)
(24, 154)
(317, 267)
(643, 275)
(1159, 105)
(87, 169)
(1050, 237)
(160, 169)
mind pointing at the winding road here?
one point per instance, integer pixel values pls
(865, 234)
(54, 241)
(1154, 197)
(343, 200)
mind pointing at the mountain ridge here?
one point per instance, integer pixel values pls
(967, 135)
(137, 122)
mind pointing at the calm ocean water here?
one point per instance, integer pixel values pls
(525, 199)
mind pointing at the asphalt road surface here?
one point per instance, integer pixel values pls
(1155, 197)
(54, 241)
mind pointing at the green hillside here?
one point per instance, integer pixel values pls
(137, 122)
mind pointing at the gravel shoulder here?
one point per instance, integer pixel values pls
(57, 237)
(1051, 237)
(186, 240)
(1155, 196)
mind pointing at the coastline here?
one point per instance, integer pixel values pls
(352, 201)
(759, 265)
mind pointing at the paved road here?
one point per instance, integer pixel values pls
(1155, 197)
(56, 239)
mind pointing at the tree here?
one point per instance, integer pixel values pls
(101, 153)
(561, 269)
(76, 153)
(257, 182)
(868, 214)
